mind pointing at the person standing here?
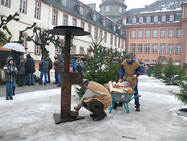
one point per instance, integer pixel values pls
(59, 69)
(21, 71)
(30, 69)
(43, 67)
(10, 71)
(50, 67)
(79, 65)
(131, 69)
(56, 78)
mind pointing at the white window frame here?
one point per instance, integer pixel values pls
(162, 48)
(58, 49)
(155, 48)
(155, 33)
(24, 40)
(65, 19)
(179, 49)
(148, 19)
(148, 34)
(171, 18)
(23, 4)
(170, 48)
(140, 33)
(5, 2)
(140, 19)
(82, 24)
(171, 33)
(120, 10)
(155, 19)
(37, 10)
(37, 50)
(81, 10)
(179, 33)
(140, 48)
(163, 18)
(107, 8)
(163, 33)
(74, 22)
(64, 2)
(73, 50)
(133, 34)
(147, 48)
(54, 17)
(133, 48)
(134, 20)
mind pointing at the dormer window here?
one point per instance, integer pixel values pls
(107, 9)
(94, 16)
(104, 21)
(134, 20)
(64, 2)
(164, 18)
(141, 20)
(171, 18)
(114, 28)
(81, 9)
(120, 10)
(148, 20)
(155, 19)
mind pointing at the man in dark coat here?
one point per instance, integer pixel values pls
(30, 69)
(49, 68)
(59, 69)
(21, 71)
(43, 67)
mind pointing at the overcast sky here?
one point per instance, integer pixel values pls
(130, 3)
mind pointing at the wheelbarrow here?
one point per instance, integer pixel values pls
(125, 98)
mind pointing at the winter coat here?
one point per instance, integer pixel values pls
(44, 65)
(30, 65)
(21, 67)
(59, 66)
(105, 97)
(10, 70)
(130, 70)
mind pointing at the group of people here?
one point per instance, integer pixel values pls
(96, 98)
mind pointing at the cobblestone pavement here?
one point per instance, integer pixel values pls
(26, 88)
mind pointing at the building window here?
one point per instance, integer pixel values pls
(37, 10)
(24, 40)
(171, 18)
(146, 61)
(104, 22)
(155, 48)
(140, 34)
(162, 48)
(155, 19)
(81, 10)
(139, 48)
(107, 9)
(163, 33)
(170, 49)
(89, 28)
(54, 17)
(114, 27)
(94, 17)
(111, 39)
(74, 22)
(58, 49)
(133, 46)
(37, 50)
(147, 48)
(139, 60)
(141, 20)
(171, 33)
(81, 51)
(82, 24)
(115, 41)
(155, 33)
(23, 4)
(133, 20)
(179, 33)
(100, 35)
(64, 2)
(164, 18)
(65, 19)
(133, 34)
(148, 33)
(120, 10)
(179, 48)
(73, 50)
(154, 61)
(105, 34)
(148, 19)
(95, 33)
(5, 3)
(119, 42)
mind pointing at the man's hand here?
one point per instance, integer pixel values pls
(77, 108)
(134, 76)
(120, 80)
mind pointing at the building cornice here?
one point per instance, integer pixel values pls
(111, 3)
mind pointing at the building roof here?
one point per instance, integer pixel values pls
(72, 8)
(158, 6)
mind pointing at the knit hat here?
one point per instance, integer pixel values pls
(128, 55)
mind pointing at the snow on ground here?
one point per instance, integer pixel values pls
(29, 117)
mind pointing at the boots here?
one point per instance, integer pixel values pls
(11, 98)
(99, 117)
(14, 90)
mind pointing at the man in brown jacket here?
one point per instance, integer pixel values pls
(96, 99)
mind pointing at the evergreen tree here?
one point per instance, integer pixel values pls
(158, 69)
